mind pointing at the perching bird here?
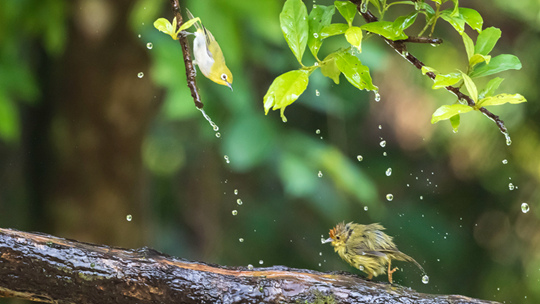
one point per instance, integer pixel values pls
(209, 57)
(367, 248)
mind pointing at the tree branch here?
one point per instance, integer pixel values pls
(49, 269)
(190, 69)
(400, 47)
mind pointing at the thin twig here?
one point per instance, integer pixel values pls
(190, 69)
(400, 47)
(423, 40)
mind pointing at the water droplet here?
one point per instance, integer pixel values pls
(320, 253)
(250, 267)
(319, 174)
(365, 208)
(316, 63)
(388, 171)
(317, 93)
(149, 45)
(239, 202)
(425, 279)
(320, 264)
(235, 191)
(129, 217)
(377, 97)
(140, 75)
(525, 207)
(227, 160)
(360, 158)
(363, 7)
(139, 35)
(383, 143)
(315, 35)
(361, 268)
(261, 262)
(218, 135)
(380, 127)
(241, 240)
(234, 212)
(421, 197)
(318, 131)
(389, 197)
(511, 186)
(504, 161)
(214, 126)
(508, 139)
(384, 153)
(408, 185)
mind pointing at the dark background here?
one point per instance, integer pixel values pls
(85, 143)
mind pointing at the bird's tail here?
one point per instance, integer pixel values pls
(403, 257)
(190, 16)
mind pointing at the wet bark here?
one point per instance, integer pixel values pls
(45, 268)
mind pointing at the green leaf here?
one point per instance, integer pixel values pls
(472, 18)
(354, 37)
(478, 58)
(456, 21)
(319, 17)
(385, 29)
(294, 25)
(355, 72)
(471, 87)
(166, 27)
(425, 69)
(333, 29)
(455, 121)
(330, 69)
(490, 88)
(285, 90)
(187, 24)
(486, 40)
(444, 80)
(501, 99)
(497, 64)
(447, 111)
(469, 45)
(403, 22)
(347, 10)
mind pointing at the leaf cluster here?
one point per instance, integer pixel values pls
(302, 30)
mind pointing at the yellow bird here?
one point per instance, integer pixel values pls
(209, 57)
(367, 248)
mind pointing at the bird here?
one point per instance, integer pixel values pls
(367, 248)
(208, 55)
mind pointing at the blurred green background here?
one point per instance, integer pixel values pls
(87, 143)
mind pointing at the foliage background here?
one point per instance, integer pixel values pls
(85, 142)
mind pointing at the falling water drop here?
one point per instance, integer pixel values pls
(218, 135)
(504, 161)
(319, 174)
(366, 208)
(511, 186)
(359, 158)
(149, 45)
(129, 217)
(389, 197)
(250, 267)
(261, 262)
(227, 160)
(239, 202)
(241, 240)
(140, 75)
(235, 191)
(317, 93)
(318, 131)
(234, 212)
(377, 97)
(388, 171)
(383, 143)
(508, 139)
(525, 207)
(425, 279)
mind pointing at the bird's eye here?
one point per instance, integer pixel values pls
(337, 237)
(224, 76)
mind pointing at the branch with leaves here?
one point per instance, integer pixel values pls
(49, 269)
(176, 31)
(303, 30)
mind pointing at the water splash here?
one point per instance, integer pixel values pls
(508, 139)
(213, 124)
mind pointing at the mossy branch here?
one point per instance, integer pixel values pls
(49, 269)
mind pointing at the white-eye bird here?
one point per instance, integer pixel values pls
(209, 57)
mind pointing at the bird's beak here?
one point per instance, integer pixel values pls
(229, 85)
(328, 240)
